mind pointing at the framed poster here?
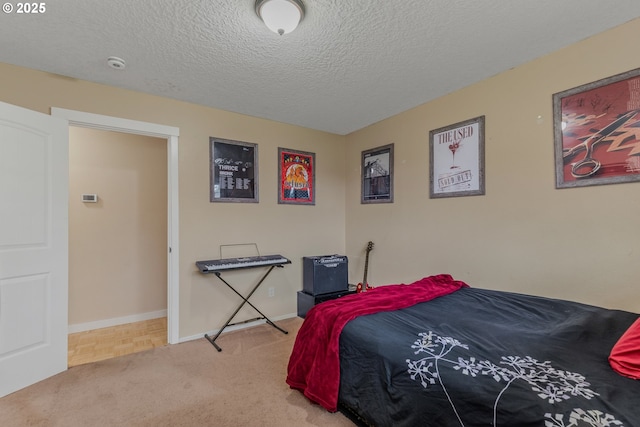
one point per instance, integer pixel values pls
(456, 159)
(377, 175)
(296, 177)
(233, 171)
(597, 132)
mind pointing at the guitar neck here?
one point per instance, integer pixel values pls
(366, 263)
(366, 268)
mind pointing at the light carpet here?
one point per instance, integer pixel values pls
(188, 384)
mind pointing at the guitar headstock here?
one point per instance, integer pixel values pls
(369, 246)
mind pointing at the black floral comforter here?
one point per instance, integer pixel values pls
(479, 357)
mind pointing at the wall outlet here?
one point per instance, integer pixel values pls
(271, 291)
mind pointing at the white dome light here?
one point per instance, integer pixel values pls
(280, 16)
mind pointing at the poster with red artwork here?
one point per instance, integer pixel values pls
(296, 177)
(597, 132)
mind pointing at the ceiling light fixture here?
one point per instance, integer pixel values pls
(280, 16)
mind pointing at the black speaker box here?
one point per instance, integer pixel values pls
(306, 301)
(325, 274)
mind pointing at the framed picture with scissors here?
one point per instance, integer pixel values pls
(597, 132)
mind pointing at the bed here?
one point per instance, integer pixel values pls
(440, 353)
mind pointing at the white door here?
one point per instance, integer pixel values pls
(33, 246)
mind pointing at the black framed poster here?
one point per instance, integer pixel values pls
(377, 175)
(233, 171)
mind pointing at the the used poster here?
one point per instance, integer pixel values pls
(457, 159)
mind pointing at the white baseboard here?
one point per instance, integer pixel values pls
(106, 323)
(236, 327)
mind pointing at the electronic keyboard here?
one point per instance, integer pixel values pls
(212, 266)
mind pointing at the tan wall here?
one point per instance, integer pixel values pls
(523, 235)
(294, 231)
(118, 246)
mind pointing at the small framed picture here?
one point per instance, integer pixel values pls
(296, 177)
(597, 132)
(233, 173)
(456, 159)
(377, 175)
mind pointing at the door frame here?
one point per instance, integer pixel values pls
(171, 135)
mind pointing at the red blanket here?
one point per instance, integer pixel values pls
(314, 365)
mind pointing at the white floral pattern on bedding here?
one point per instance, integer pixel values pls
(547, 382)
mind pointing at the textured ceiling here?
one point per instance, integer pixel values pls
(349, 64)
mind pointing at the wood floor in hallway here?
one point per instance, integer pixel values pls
(106, 343)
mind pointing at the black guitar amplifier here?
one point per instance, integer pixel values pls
(325, 274)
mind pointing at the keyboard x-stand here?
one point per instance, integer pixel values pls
(219, 265)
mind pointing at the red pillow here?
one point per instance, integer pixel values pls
(625, 354)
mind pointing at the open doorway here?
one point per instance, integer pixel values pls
(170, 135)
(117, 243)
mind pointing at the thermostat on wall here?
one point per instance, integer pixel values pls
(90, 198)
